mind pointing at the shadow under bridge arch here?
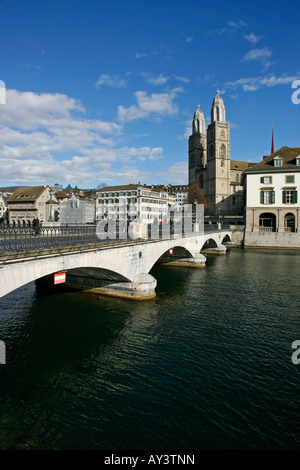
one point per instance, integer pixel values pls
(177, 255)
(174, 254)
(84, 278)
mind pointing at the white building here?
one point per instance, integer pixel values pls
(133, 200)
(77, 211)
(181, 193)
(272, 186)
(3, 207)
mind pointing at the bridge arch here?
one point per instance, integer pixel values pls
(13, 276)
(161, 252)
(226, 239)
(210, 243)
(176, 252)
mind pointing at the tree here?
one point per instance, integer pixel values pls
(196, 194)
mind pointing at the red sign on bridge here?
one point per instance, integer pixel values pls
(59, 278)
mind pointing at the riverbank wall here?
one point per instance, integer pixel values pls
(283, 240)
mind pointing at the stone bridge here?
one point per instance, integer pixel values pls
(117, 268)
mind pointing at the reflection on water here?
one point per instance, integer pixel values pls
(205, 365)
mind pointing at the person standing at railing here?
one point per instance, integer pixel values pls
(36, 225)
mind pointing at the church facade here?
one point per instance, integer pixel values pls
(210, 165)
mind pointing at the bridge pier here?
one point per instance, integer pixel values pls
(198, 260)
(141, 288)
(218, 250)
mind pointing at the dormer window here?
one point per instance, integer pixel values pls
(277, 162)
(298, 160)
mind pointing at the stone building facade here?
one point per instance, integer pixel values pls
(30, 201)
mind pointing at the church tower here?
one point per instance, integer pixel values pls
(218, 160)
(197, 150)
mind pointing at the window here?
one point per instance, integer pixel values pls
(267, 197)
(266, 179)
(290, 197)
(222, 150)
(298, 161)
(278, 161)
(290, 179)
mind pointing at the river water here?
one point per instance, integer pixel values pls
(205, 365)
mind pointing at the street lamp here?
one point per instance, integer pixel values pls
(51, 192)
(219, 223)
(139, 189)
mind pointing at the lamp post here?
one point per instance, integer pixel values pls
(139, 189)
(51, 192)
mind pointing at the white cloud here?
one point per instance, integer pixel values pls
(177, 173)
(182, 79)
(236, 24)
(155, 105)
(44, 138)
(231, 27)
(188, 131)
(254, 83)
(260, 55)
(252, 38)
(206, 78)
(159, 80)
(141, 55)
(112, 81)
(163, 79)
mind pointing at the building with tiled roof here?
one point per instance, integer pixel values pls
(30, 201)
(272, 186)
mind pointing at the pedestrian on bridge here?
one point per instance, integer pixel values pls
(36, 225)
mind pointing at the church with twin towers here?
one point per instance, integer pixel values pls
(210, 165)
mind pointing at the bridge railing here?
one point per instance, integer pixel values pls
(16, 238)
(30, 238)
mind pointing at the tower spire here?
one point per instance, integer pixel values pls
(272, 145)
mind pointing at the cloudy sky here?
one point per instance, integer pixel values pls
(104, 92)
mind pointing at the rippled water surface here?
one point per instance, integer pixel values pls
(205, 365)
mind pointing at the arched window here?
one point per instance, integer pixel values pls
(289, 222)
(267, 222)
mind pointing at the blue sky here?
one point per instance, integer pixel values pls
(104, 92)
